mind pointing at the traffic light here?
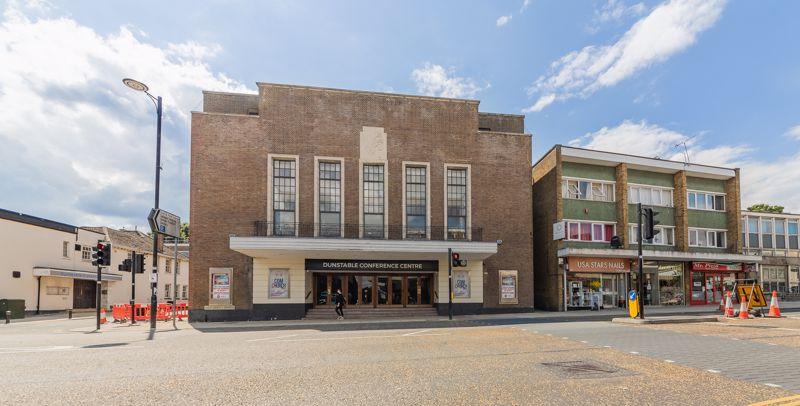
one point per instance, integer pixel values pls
(650, 223)
(456, 260)
(101, 254)
(139, 268)
(125, 266)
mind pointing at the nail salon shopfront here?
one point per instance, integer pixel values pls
(599, 281)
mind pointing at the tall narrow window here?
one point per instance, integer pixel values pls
(416, 202)
(373, 201)
(284, 187)
(456, 203)
(330, 201)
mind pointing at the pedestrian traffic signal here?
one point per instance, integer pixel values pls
(125, 266)
(101, 254)
(456, 260)
(650, 223)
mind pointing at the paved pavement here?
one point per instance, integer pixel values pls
(757, 362)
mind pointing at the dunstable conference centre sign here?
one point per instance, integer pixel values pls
(364, 265)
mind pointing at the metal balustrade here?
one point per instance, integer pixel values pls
(365, 231)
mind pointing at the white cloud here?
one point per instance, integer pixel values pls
(525, 5)
(670, 28)
(760, 179)
(78, 146)
(794, 132)
(503, 20)
(435, 80)
(616, 10)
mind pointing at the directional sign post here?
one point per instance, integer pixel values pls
(164, 222)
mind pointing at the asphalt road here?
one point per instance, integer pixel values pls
(64, 362)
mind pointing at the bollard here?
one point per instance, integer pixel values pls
(69, 314)
(8, 316)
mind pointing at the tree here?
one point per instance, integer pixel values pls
(185, 231)
(765, 208)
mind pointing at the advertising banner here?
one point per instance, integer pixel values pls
(279, 283)
(461, 284)
(220, 286)
(508, 287)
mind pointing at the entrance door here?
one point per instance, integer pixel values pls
(84, 294)
(713, 288)
(374, 290)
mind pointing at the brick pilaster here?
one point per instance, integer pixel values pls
(681, 213)
(733, 211)
(621, 196)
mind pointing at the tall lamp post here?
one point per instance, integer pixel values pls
(141, 87)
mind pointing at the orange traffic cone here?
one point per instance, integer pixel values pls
(722, 302)
(774, 310)
(728, 306)
(103, 315)
(743, 309)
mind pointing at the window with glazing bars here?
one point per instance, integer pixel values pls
(416, 203)
(330, 200)
(373, 201)
(284, 187)
(456, 203)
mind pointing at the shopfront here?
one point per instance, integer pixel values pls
(663, 283)
(710, 281)
(373, 283)
(595, 283)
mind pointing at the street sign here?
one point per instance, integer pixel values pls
(164, 222)
(559, 231)
(633, 304)
(744, 292)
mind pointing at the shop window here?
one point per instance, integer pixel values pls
(330, 195)
(794, 279)
(774, 278)
(416, 202)
(284, 187)
(588, 190)
(706, 201)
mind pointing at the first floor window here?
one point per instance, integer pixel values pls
(373, 201)
(588, 231)
(456, 203)
(65, 249)
(167, 288)
(185, 292)
(707, 238)
(416, 202)
(330, 202)
(86, 253)
(284, 187)
(665, 235)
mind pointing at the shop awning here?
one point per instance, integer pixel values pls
(659, 255)
(342, 248)
(75, 274)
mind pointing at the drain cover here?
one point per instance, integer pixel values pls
(585, 369)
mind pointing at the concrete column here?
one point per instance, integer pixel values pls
(681, 212)
(622, 202)
(733, 211)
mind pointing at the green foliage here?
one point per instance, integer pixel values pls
(766, 208)
(185, 231)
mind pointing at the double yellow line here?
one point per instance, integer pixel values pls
(787, 401)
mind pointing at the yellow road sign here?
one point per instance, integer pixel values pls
(757, 299)
(633, 304)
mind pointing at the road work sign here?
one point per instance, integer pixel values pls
(633, 304)
(757, 299)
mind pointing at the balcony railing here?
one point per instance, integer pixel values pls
(362, 231)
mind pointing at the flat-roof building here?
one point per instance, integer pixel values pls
(583, 198)
(774, 236)
(299, 191)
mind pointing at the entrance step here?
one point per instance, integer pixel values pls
(328, 313)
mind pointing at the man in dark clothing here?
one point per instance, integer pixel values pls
(338, 302)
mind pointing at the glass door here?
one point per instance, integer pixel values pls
(713, 288)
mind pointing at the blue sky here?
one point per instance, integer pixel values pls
(638, 77)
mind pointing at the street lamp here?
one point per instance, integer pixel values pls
(141, 87)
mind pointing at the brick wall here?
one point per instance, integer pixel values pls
(622, 203)
(229, 184)
(681, 214)
(547, 210)
(510, 123)
(733, 211)
(230, 103)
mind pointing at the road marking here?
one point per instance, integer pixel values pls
(54, 348)
(771, 344)
(772, 385)
(734, 339)
(272, 338)
(585, 342)
(606, 346)
(635, 352)
(358, 337)
(778, 401)
(713, 371)
(669, 360)
(415, 332)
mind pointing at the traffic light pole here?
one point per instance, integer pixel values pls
(450, 283)
(641, 264)
(154, 271)
(99, 292)
(134, 267)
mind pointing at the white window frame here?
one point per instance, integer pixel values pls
(167, 291)
(568, 193)
(184, 292)
(698, 232)
(427, 167)
(591, 229)
(86, 253)
(634, 232)
(270, 214)
(662, 192)
(65, 249)
(340, 161)
(386, 200)
(705, 196)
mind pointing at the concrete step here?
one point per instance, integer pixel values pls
(379, 313)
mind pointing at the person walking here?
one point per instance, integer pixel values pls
(338, 302)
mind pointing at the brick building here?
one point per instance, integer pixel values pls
(299, 191)
(583, 198)
(774, 236)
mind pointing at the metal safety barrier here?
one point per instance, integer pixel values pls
(122, 312)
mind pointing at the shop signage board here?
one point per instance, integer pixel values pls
(559, 231)
(363, 265)
(279, 283)
(508, 287)
(599, 265)
(713, 266)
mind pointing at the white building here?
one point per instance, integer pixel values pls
(48, 265)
